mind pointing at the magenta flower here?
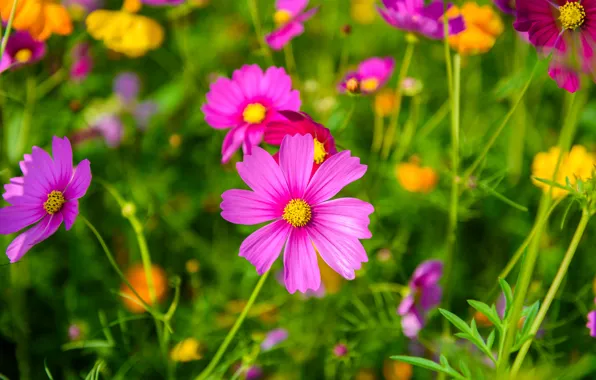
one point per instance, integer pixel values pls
(372, 74)
(82, 62)
(592, 323)
(304, 217)
(506, 6)
(46, 195)
(273, 338)
(340, 350)
(413, 16)
(247, 103)
(300, 123)
(21, 49)
(289, 18)
(425, 294)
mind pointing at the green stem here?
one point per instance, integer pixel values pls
(378, 133)
(291, 62)
(435, 120)
(222, 348)
(403, 71)
(20, 281)
(552, 291)
(49, 84)
(254, 13)
(409, 130)
(27, 114)
(346, 121)
(8, 27)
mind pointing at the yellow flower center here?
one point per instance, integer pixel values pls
(297, 212)
(370, 84)
(23, 55)
(254, 113)
(282, 17)
(352, 85)
(320, 152)
(572, 15)
(54, 203)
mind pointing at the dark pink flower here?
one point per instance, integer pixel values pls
(372, 74)
(21, 49)
(82, 62)
(247, 103)
(340, 350)
(425, 294)
(592, 323)
(289, 18)
(45, 196)
(303, 217)
(300, 123)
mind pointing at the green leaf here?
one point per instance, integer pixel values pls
(45, 366)
(530, 314)
(456, 321)
(554, 184)
(487, 312)
(444, 361)
(464, 369)
(508, 296)
(428, 364)
(491, 339)
(501, 197)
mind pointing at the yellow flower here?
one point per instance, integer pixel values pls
(576, 164)
(363, 11)
(124, 32)
(416, 179)
(41, 18)
(483, 26)
(188, 350)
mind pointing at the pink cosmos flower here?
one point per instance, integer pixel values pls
(372, 74)
(21, 49)
(273, 338)
(425, 294)
(247, 103)
(413, 16)
(289, 18)
(82, 62)
(45, 196)
(302, 214)
(300, 123)
(592, 323)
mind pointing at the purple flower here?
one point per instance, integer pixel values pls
(425, 294)
(45, 196)
(82, 62)
(340, 350)
(162, 3)
(506, 6)
(592, 323)
(143, 113)
(289, 18)
(111, 128)
(303, 217)
(74, 332)
(273, 338)
(413, 16)
(253, 373)
(21, 49)
(247, 103)
(127, 87)
(372, 74)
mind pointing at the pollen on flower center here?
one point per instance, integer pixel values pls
(370, 84)
(23, 55)
(254, 113)
(352, 85)
(572, 15)
(282, 17)
(297, 212)
(54, 203)
(320, 152)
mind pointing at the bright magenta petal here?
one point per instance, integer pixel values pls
(348, 216)
(80, 182)
(296, 160)
(15, 218)
(262, 174)
(62, 151)
(35, 235)
(264, 245)
(301, 271)
(247, 207)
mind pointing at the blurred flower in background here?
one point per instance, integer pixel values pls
(247, 103)
(79, 9)
(507, 6)
(188, 350)
(425, 294)
(137, 278)
(82, 62)
(111, 128)
(413, 16)
(396, 370)
(591, 325)
(385, 102)
(363, 11)
(289, 20)
(416, 179)
(127, 87)
(483, 26)
(273, 338)
(411, 86)
(41, 18)
(372, 74)
(340, 350)
(21, 49)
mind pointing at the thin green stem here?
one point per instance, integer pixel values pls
(27, 114)
(254, 13)
(377, 133)
(8, 28)
(435, 120)
(346, 121)
(403, 71)
(290, 61)
(49, 84)
(552, 291)
(409, 130)
(223, 347)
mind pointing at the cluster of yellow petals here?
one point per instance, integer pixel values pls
(416, 179)
(578, 163)
(483, 26)
(41, 18)
(188, 350)
(125, 32)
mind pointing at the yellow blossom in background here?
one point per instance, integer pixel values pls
(363, 11)
(416, 179)
(132, 6)
(483, 26)
(366, 374)
(124, 32)
(385, 102)
(330, 279)
(41, 18)
(187, 351)
(578, 163)
(396, 370)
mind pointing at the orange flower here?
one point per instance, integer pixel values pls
(385, 102)
(482, 320)
(136, 276)
(483, 26)
(416, 179)
(329, 278)
(396, 370)
(41, 18)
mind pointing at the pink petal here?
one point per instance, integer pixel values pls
(565, 78)
(262, 247)
(334, 174)
(292, 6)
(304, 17)
(252, 138)
(348, 216)
(62, 152)
(232, 142)
(247, 207)
(301, 271)
(262, 174)
(296, 160)
(280, 37)
(248, 79)
(430, 297)
(592, 323)
(216, 119)
(406, 305)
(70, 211)
(411, 324)
(35, 235)
(42, 168)
(427, 273)
(15, 218)
(344, 254)
(80, 181)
